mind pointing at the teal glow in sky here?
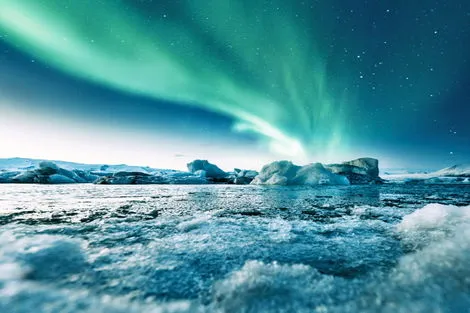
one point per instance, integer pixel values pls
(256, 64)
(304, 80)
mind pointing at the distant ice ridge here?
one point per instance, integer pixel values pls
(457, 174)
(22, 164)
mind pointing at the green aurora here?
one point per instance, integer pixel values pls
(259, 64)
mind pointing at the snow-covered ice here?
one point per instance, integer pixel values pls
(229, 248)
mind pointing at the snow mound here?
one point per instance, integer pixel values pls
(272, 287)
(432, 223)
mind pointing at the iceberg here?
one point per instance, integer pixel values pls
(48, 173)
(32, 171)
(287, 173)
(205, 169)
(358, 171)
(214, 174)
(243, 177)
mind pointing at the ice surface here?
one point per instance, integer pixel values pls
(89, 248)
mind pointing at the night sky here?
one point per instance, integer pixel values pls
(238, 82)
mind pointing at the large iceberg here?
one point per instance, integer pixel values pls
(287, 173)
(358, 171)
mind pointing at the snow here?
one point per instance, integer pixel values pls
(434, 223)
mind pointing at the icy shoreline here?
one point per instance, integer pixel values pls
(221, 248)
(360, 171)
(355, 172)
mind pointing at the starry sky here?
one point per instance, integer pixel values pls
(238, 82)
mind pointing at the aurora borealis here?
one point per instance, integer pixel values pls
(307, 80)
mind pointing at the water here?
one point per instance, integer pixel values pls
(89, 248)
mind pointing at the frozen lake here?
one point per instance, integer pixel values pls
(97, 248)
